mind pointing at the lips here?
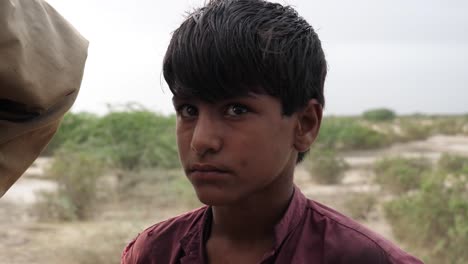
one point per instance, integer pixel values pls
(206, 172)
(206, 168)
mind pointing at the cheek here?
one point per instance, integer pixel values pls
(277, 150)
(261, 156)
(183, 139)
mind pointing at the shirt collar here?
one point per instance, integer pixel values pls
(193, 243)
(291, 217)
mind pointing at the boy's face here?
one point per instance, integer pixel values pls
(236, 148)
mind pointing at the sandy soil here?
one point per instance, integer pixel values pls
(22, 240)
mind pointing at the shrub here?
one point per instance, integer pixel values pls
(139, 139)
(131, 140)
(360, 205)
(453, 163)
(379, 115)
(325, 166)
(449, 125)
(76, 175)
(399, 175)
(434, 220)
(414, 130)
(75, 129)
(347, 134)
(158, 188)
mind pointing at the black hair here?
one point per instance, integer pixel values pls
(229, 48)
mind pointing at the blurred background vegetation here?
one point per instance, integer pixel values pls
(124, 167)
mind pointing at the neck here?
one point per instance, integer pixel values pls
(256, 217)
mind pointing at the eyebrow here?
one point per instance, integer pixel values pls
(176, 100)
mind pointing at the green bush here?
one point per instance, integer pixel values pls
(430, 214)
(453, 163)
(325, 166)
(139, 139)
(348, 134)
(399, 175)
(360, 205)
(75, 129)
(414, 130)
(131, 140)
(449, 125)
(160, 188)
(379, 115)
(76, 175)
(434, 220)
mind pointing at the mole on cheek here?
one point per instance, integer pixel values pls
(244, 163)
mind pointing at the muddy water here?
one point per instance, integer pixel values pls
(25, 189)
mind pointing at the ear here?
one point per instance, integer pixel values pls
(308, 125)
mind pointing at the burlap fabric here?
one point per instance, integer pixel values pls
(42, 59)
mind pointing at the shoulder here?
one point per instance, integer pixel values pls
(161, 238)
(345, 239)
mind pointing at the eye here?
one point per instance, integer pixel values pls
(187, 111)
(236, 110)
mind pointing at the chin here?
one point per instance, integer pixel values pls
(213, 196)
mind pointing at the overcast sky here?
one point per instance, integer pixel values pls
(407, 55)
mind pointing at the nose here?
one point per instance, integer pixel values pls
(206, 138)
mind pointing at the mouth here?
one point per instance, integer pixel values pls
(206, 168)
(206, 172)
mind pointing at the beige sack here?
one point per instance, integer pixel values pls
(42, 60)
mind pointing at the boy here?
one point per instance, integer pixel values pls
(247, 78)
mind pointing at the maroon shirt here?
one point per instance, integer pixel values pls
(309, 232)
